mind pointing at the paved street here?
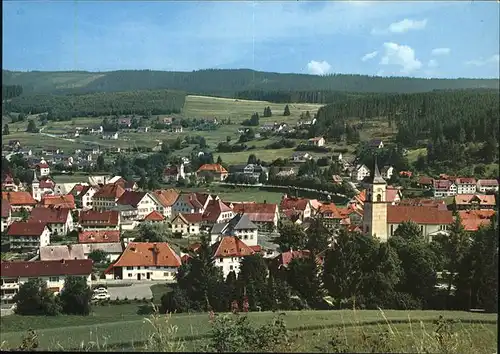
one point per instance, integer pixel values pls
(133, 291)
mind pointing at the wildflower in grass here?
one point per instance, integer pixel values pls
(245, 304)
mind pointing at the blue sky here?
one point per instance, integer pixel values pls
(422, 39)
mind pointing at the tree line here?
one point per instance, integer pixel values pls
(229, 82)
(61, 107)
(357, 270)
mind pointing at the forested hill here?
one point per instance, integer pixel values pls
(229, 83)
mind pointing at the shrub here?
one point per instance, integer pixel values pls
(34, 299)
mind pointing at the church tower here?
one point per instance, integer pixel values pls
(375, 207)
(35, 188)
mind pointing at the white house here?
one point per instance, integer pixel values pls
(165, 199)
(239, 226)
(28, 236)
(43, 168)
(387, 172)
(444, 188)
(146, 261)
(59, 220)
(110, 135)
(485, 185)
(466, 185)
(228, 252)
(360, 173)
(191, 203)
(6, 215)
(301, 156)
(318, 141)
(174, 173)
(186, 224)
(142, 201)
(107, 196)
(54, 273)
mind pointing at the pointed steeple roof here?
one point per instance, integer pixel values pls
(35, 179)
(376, 177)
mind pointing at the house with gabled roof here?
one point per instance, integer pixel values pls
(186, 224)
(444, 188)
(60, 252)
(317, 141)
(475, 201)
(84, 196)
(264, 215)
(99, 236)
(8, 183)
(215, 170)
(59, 220)
(155, 217)
(6, 215)
(19, 200)
(142, 201)
(302, 206)
(146, 261)
(192, 203)
(487, 185)
(228, 252)
(165, 200)
(53, 272)
(239, 226)
(173, 173)
(43, 168)
(330, 215)
(28, 236)
(66, 201)
(466, 185)
(472, 220)
(107, 196)
(99, 220)
(216, 212)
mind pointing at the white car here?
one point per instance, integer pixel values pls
(101, 296)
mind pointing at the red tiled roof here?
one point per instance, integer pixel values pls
(330, 210)
(488, 182)
(77, 189)
(425, 180)
(213, 167)
(285, 258)
(191, 199)
(231, 246)
(185, 258)
(442, 184)
(256, 248)
(391, 194)
(397, 214)
(470, 199)
(214, 209)
(46, 268)
(191, 218)
(42, 165)
(7, 179)
(166, 197)
(465, 180)
(144, 254)
(194, 246)
(19, 198)
(99, 236)
(47, 183)
(49, 215)
(154, 216)
(62, 201)
(473, 219)
(109, 191)
(361, 196)
(131, 198)
(294, 203)
(429, 203)
(6, 209)
(257, 212)
(108, 217)
(20, 228)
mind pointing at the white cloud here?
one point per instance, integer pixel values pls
(432, 63)
(440, 51)
(402, 56)
(482, 62)
(318, 67)
(369, 56)
(402, 26)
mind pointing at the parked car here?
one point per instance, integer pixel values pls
(101, 296)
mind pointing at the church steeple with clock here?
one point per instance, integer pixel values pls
(375, 206)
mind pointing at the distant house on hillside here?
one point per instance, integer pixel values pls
(318, 141)
(110, 135)
(376, 144)
(177, 129)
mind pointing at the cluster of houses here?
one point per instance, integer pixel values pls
(101, 209)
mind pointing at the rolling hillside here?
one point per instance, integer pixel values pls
(226, 82)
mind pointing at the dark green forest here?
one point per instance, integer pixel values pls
(227, 82)
(297, 96)
(10, 91)
(98, 104)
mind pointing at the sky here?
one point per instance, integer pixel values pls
(419, 39)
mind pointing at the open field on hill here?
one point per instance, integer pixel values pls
(240, 194)
(121, 326)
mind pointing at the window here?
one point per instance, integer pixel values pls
(220, 259)
(392, 230)
(54, 279)
(422, 229)
(379, 198)
(166, 274)
(231, 267)
(130, 268)
(130, 275)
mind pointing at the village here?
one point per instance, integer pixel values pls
(37, 219)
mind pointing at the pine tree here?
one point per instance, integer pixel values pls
(287, 111)
(6, 129)
(219, 160)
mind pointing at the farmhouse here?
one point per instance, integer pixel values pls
(19, 200)
(54, 273)
(318, 141)
(28, 236)
(59, 221)
(187, 224)
(95, 220)
(264, 215)
(487, 185)
(147, 261)
(475, 201)
(215, 171)
(330, 215)
(228, 252)
(216, 212)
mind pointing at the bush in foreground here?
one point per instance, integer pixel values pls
(35, 299)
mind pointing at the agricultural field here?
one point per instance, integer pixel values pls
(121, 326)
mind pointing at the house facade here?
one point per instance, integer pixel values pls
(19, 200)
(444, 188)
(264, 215)
(59, 221)
(165, 200)
(6, 215)
(301, 206)
(99, 220)
(487, 185)
(228, 252)
(187, 224)
(318, 141)
(466, 185)
(360, 173)
(142, 201)
(147, 261)
(215, 171)
(239, 226)
(54, 273)
(107, 196)
(28, 236)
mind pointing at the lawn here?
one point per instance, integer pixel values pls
(122, 326)
(240, 194)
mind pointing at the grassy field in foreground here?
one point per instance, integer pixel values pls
(121, 326)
